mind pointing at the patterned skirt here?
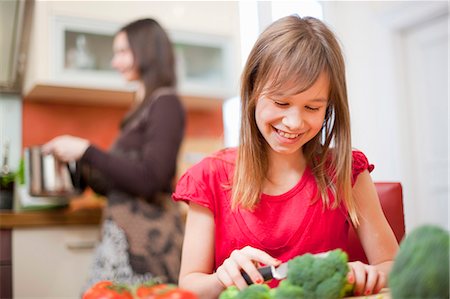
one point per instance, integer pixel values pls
(111, 259)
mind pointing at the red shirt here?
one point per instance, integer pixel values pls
(284, 225)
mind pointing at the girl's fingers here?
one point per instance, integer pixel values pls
(223, 277)
(351, 276)
(260, 256)
(234, 272)
(371, 279)
(245, 259)
(248, 266)
(360, 277)
(381, 283)
(368, 280)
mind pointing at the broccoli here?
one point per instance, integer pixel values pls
(421, 267)
(229, 293)
(255, 291)
(308, 277)
(287, 290)
(320, 277)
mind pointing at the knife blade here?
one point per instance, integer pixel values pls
(279, 272)
(269, 272)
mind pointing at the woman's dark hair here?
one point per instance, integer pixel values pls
(153, 53)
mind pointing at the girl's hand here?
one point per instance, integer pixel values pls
(66, 148)
(246, 259)
(367, 278)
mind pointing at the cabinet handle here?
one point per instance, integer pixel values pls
(77, 245)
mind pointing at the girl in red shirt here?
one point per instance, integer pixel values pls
(293, 185)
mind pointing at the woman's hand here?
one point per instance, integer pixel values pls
(66, 148)
(367, 278)
(246, 259)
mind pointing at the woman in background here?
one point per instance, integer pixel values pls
(142, 229)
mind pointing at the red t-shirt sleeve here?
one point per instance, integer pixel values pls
(359, 164)
(193, 186)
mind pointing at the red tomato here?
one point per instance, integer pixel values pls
(177, 294)
(163, 291)
(151, 291)
(107, 290)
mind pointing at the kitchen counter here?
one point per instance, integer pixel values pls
(84, 210)
(73, 227)
(383, 294)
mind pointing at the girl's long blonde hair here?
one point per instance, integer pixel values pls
(295, 49)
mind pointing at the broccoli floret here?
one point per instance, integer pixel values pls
(347, 290)
(287, 290)
(255, 291)
(229, 293)
(320, 277)
(421, 267)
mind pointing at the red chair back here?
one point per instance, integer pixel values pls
(391, 199)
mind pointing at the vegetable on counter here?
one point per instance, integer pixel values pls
(287, 290)
(421, 267)
(151, 290)
(320, 277)
(308, 277)
(254, 291)
(108, 290)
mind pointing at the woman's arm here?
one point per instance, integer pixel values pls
(158, 150)
(376, 236)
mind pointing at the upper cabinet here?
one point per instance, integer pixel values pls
(71, 49)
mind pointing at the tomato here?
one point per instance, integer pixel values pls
(163, 291)
(107, 290)
(151, 291)
(177, 294)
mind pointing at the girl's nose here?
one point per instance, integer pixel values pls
(293, 120)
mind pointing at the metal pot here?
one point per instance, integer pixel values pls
(45, 175)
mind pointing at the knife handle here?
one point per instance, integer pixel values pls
(266, 273)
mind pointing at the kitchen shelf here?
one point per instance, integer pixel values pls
(62, 94)
(54, 93)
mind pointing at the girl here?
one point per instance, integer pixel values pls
(141, 231)
(285, 190)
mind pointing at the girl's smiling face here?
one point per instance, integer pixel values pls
(287, 123)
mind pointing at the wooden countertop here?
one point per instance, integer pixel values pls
(383, 294)
(84, 210)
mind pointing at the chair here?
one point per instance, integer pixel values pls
(391, 200)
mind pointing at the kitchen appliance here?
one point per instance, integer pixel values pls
(46, 176)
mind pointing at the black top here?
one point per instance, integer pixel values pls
(143, 159)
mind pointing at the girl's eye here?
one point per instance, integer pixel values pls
(312, 108)
(280, 103)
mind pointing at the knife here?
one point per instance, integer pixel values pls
(271, 272)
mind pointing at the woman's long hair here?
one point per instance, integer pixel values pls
(296, 50)
(153, 56)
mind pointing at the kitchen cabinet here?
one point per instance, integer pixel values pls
(52, 262)
(5, 264)
(70, 47)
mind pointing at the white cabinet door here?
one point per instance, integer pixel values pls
(426, 191)
(52, 262)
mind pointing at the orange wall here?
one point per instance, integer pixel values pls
(43, 121)
(204, 123)
(100, 124)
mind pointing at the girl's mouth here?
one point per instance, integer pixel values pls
(287, 135)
